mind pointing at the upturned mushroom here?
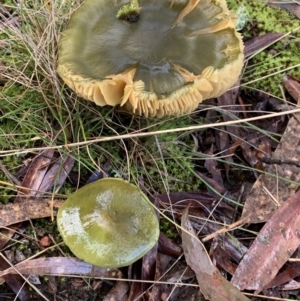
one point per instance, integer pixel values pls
(108, 223)
(151, 57)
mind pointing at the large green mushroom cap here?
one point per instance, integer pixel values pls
(165, 60)
(108, 223)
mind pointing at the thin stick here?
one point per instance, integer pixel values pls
(225, 229)
(145, 134)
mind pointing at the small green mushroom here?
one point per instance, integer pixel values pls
(108, 223)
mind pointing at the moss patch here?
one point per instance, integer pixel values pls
(278, 57)
(168, 157)
(168, 228)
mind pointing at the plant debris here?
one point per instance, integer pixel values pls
(274, 245)
(60, 266)
(212, 284)
(224, 180)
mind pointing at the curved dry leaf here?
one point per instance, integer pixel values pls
(167, 246)
(56, 174)
(260, 42)
(274, 245)
(212, 284)
(293, 8)
(118, 292)
(148, 269)
(292, 285)
(281, 178)
(60, 266)
(285, 276)
(292, 86)
(224, 260)
(34, 175)
(15, 282)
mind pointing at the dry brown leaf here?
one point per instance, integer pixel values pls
(274, 245)
(16, 283)
(260, 42)
(285, 276)
(61, 266)
(34, 175)
(46, 170)
(280, 181)
(184, 198)
(162, 262)
(293, 8)
(56, 174)
(181, 273)
(118, 292)
(292, 85)
(6, 235)
(215, 188)
(148, 269)
(135, 292)
(212, 284)
(36, 181)
(13, 213)
(254, 143)
(292, 285)
(211, 164)
(230, 112)
(224, 260)
(167, 246)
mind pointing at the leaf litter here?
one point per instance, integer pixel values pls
(212, 284)
(31, 209)
(280, 180)
(27, 205)
(197, 200)
(226, 251)
(275, 244)
(60, 266)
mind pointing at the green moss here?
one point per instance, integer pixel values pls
(284, 56)
(280, 56)
(268, 19)
(11, 163)
(21, 119)
(168, 158)
(23, 124)
(42, 227)
(168, 228)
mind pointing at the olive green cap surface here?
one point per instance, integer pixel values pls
(108, 223)
(178, 53)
